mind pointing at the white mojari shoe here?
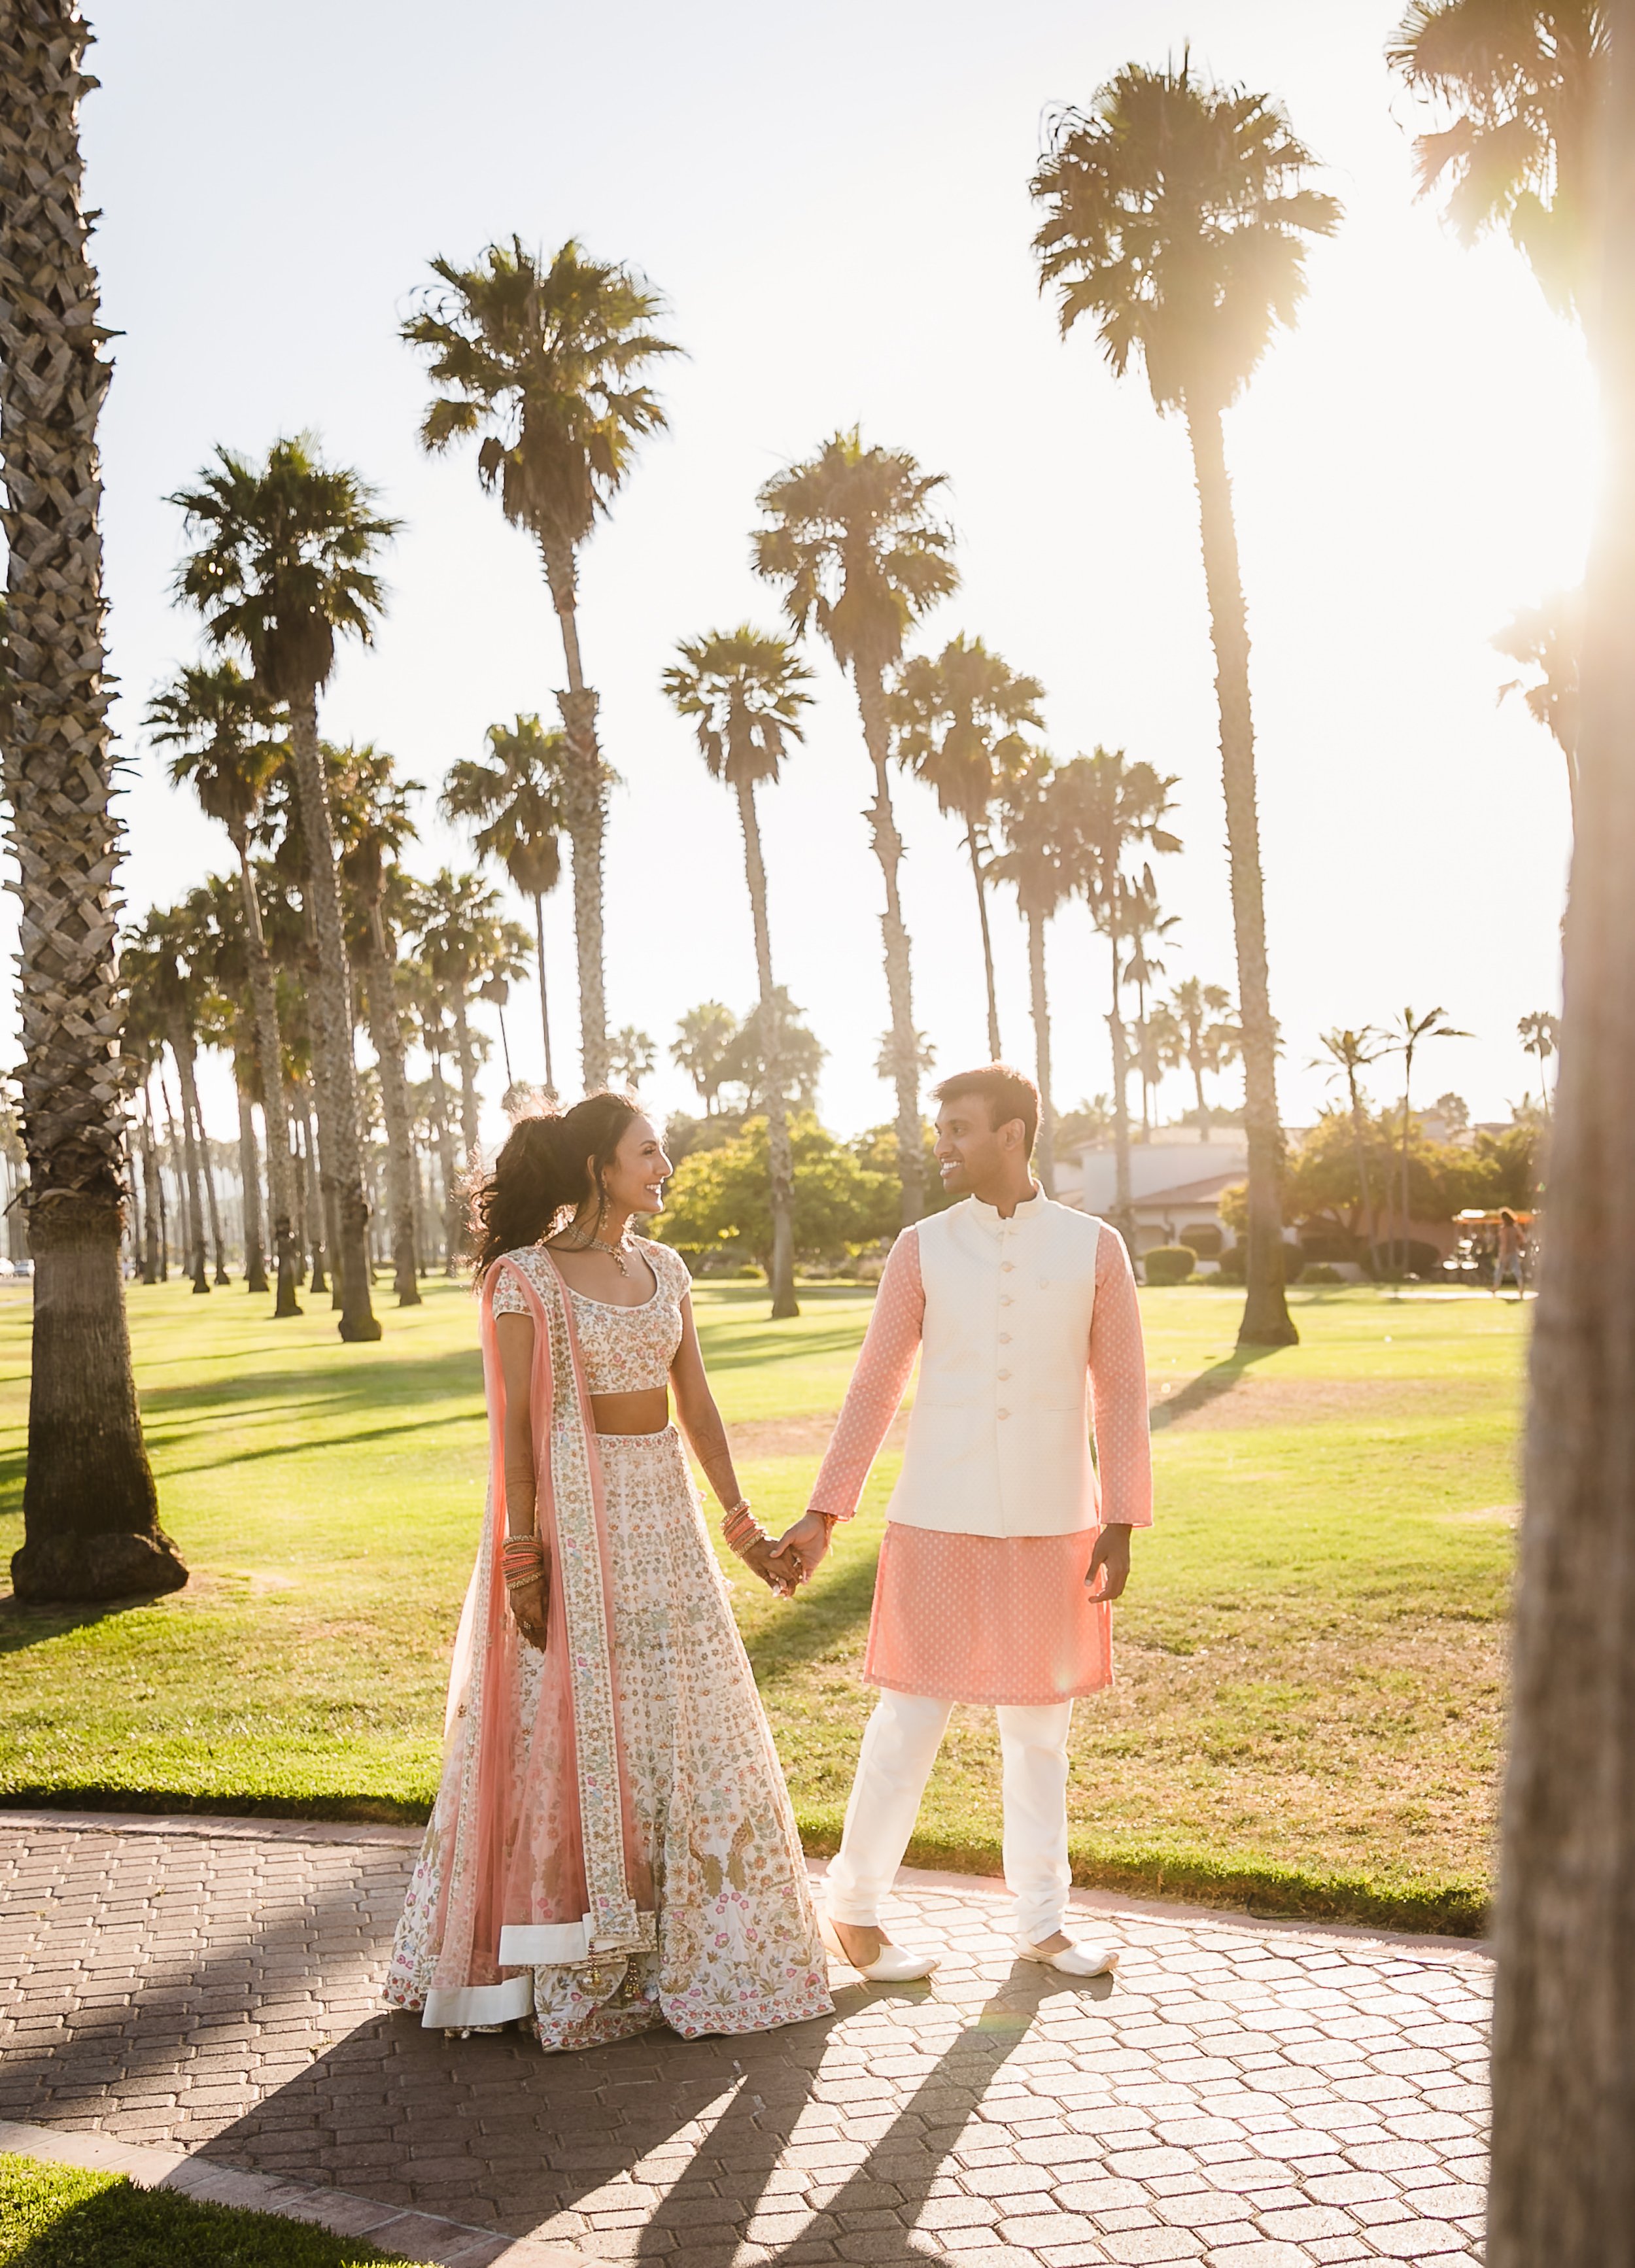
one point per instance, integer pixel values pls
(893, 1964)
(1073, 1960)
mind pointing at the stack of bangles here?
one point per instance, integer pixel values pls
(524, 1562)
(742, 1531)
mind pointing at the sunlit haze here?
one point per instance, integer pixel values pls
(834, 204)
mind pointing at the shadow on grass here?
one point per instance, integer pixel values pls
(1209, 1385)
(827, 1618)
(22, 1625)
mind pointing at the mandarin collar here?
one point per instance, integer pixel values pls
(990, 1218)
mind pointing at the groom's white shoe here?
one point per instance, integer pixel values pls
(1072, 1959)
(894, 1964)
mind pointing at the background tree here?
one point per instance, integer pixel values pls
(1408, 1035)
(1348, 1052)
(89, 1509)
(545, 364)
(853, 544)
(1547, 638)
(720, 1197)
(224, 729)
(513, 803)
(632, 1055)
(1209, 1037)
(166, 998)
(1037, 859)
(795, 1059)
(281, 570)
(744, 693)
(1146, 929)
(1540, 1033)
(464, 942)
(702, 1046)
(1177, 215)
(959, 719)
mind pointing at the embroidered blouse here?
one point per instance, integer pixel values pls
(626, 1349)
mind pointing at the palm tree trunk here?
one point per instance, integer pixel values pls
(269, 1046)
(539, 934)
(1407, 1129)
(295, 1113)
(181, 1048)
(466, 1055)
(1042, 1052)
(250, 1176)
(888, 847)
(385, 1036)
(1195, 1058)
(450, 1171)
(153, 1190)
(1362, 1169)
(1124, 1208)
(780, 1158)
(90, 1508)
(585, 814)
(312, 1210)
(1563, 2185)
(207, 1174)
(996, 1053)
(343, 1158)
(1266, 1321)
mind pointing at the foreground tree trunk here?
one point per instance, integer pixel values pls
(780, 1158)
(250, 1177)
(1266, 1321)
(343, 1161)
(89, 1509)
(385, 1036)
(905, 1049)
(1041, 1002)
(274, 1111)
(1563, 2192)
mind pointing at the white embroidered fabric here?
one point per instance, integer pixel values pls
(626, 1349)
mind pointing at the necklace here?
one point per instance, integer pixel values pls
(615, 1252)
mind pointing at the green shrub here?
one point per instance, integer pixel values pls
(1205, 1240)
(1235, 1259)
(1320, 1271)
(1169, 1263)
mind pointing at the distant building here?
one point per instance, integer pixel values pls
(1175, 1181)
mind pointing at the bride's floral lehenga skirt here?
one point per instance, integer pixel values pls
(737, 1947)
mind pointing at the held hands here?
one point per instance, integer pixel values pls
(805, 1544)
(1110, 1561)
(777, 1570)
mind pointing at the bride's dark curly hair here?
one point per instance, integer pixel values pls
(552, 1162)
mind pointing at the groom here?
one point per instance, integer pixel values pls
(1005, 1545)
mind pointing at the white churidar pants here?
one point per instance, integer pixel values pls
(899, 1748)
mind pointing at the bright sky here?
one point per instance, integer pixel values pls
(834, 204)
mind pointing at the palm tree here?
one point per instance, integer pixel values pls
(632, 1054)
(1036, 820)
(545, 362)
(1177, 215)
(223, 728)
(1520, 83)
(515, 802)
(427, 994)
(959, 722)
(165, 999)
(1547, 638)
(703, 1047)
(1110, 809)
(744, 691)
(90, 1508)
(1203, 1011)
(464, 942)
(1540, 1034)
(373, 822)
(282, 567)
(854, 545)
(1409, 1034)
(1348, 1052)
(1146, 928)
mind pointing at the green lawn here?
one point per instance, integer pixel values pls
(1310, 1655)
(61, 2217)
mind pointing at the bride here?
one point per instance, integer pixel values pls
(612, 1845)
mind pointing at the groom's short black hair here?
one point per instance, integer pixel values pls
(1008, 1094)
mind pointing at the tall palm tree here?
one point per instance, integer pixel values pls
(428, 996)
(1518, 83)
(1111, 809)
(853, 543)
(958, 720)
(1036, 823)
(703, 1047)
(545, 362)
(90, 1508)
(224, 729)
(1146, 929)
(515, 804)
(1348, 1052)
(1177, 215)
(744, 691)
(164, 995)
(1407, 1036)
(464, 942)
(1203, 1013)
(1540, 1033)
(373, 824)
(1547, 638)
(283, 567)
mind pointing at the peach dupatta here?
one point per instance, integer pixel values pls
(539, 1860)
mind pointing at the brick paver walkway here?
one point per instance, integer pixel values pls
(1247, 2093)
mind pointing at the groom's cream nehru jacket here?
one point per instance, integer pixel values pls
(998, 1439)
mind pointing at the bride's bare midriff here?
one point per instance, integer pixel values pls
(646, 1413)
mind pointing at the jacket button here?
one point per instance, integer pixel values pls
(1005, 1377)
(1004, 1339)
(1003, 1413)
(1007, 1267)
